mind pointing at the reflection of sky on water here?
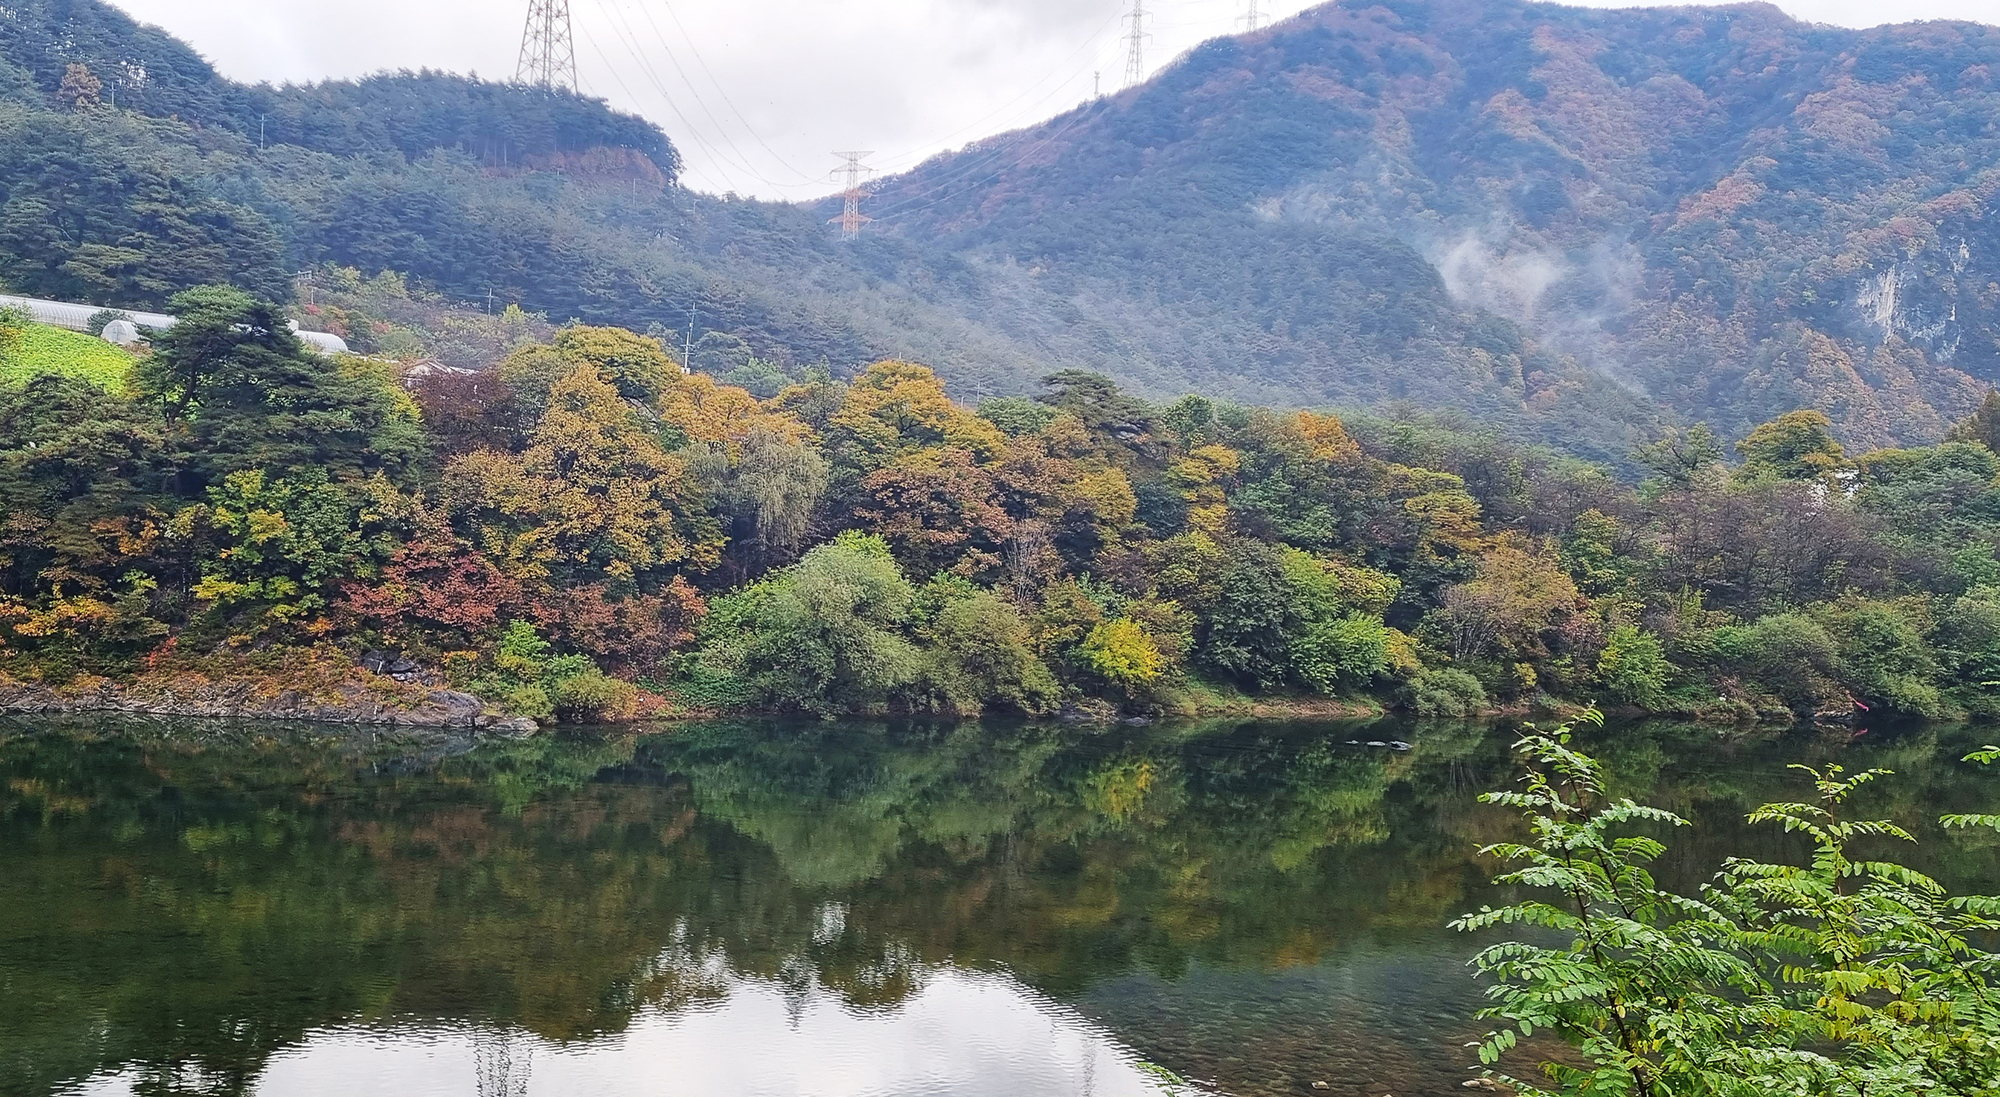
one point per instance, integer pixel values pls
(964, 1034)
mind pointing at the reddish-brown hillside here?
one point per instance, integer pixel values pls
(1724, 209)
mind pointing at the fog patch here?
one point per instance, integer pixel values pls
(1568, 301)
(1511, 284)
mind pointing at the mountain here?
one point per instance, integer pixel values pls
(1574, 224)
(1723, 209)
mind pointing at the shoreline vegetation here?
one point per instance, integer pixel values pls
(588, 531)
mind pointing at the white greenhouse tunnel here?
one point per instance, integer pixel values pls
(125, 332)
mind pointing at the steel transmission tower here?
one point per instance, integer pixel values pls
(1135, 54)
(851, 218)
(548, 49)
(1254, 18)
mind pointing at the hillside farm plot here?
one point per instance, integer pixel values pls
(45, 349)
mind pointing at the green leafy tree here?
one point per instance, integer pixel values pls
(79, 474)
(1798, 445)
(978, 653)
(826, 635)
(1633, 667)
(1681, 456)
(1590, 553)
(276, 548)
(1967, 644)
(239, 392)
(1344, 652)
(1982, 426)
(1120, 652)
(1017, 416)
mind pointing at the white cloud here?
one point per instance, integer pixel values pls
(963, 1035)
(757, 92)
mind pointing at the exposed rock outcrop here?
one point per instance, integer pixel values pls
(245, 698)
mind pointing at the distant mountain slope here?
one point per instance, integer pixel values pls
(1573, 223)
(1726, 209)
(167, 175)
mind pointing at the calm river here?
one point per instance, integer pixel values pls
(748, 908)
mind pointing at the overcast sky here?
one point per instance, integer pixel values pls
(757, 92)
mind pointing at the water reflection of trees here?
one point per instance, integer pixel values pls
(192, 906)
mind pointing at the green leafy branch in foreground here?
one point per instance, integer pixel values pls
(1837, 977)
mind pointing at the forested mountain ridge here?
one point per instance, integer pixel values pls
(1724, 208)
(148, 71)
(1570, 223)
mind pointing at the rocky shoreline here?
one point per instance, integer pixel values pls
(348, 702)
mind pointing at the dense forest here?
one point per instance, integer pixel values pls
(585, 529)
(1575, 225)
(1724, 209)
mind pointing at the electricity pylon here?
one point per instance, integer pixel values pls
(1253, 19)
(548, 48)
(851, 218)
(1135, 40)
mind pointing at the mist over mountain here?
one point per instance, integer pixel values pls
(1573, 223)
(1723, 209)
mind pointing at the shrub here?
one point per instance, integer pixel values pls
(529, 701)
(13, 326)
(529, 681)
(1884, 657)
(1446, 691)
(591, 696)
(1827, 974)
(1121, 653)
(1345, 651)
(1633, 668)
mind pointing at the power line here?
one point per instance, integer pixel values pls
(721, 131)
(724, 92)
(1060, 68)
(548, 47)
(691, 167)
(973, 161)
(629, 38)
(722, 148)
(851, 218)
(1135, 54)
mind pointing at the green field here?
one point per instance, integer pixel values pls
(44, 349)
